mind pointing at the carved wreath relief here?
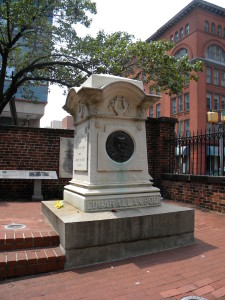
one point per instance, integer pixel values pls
(119, 105)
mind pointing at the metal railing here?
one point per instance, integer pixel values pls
(200, 154)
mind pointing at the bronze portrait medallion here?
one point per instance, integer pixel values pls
(119, 146)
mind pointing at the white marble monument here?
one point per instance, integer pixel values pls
(111, 210)
(110, 166)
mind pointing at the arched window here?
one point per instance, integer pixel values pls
(206, 26)
(180, 53)
(181, 33)
(219, 31)
(215, 53)
(176, 37)
(213, 28)
(171, 38)
(187, 29)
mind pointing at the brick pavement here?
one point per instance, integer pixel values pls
(193, 270)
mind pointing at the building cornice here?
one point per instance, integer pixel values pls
(209, 7)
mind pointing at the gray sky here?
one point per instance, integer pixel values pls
(141, 18)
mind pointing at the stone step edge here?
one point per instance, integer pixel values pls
(30, 262)
(27, 239)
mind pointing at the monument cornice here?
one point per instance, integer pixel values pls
(119, 99)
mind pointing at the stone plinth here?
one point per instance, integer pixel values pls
(91, 238)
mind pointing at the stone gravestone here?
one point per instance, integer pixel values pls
(110, 169)
(111, 209)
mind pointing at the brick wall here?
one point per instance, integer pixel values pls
(38, 149)
(158, 132)
(204, 191)
(30, 149)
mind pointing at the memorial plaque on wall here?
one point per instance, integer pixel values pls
(66, 158)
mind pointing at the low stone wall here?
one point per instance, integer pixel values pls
(204, 191)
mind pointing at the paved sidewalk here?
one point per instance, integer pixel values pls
(193, 270)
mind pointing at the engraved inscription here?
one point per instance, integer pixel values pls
(123, 203)
(80, 153)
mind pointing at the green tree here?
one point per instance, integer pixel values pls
(118, 54)
(34, 36)
(39, 43)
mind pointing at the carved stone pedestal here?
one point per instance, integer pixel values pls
(110, 168)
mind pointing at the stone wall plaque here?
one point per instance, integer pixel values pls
(66, 158)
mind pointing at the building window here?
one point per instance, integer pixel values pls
(186, 80)
(187, 128)
(151, 91)
(213, 28)
(187, 29)
(208, 75)
(223, 102)
(176, 37)
(171, 38)
(216, 102)
(206, 26)
(216, 76)
(186, 102)
(180, 128)
(157, 110)
(209, 127)
(151, 112)
(219, 30)
(181, 33)
(215, 53)
(223, 78)
(180, 53)
(180, 104)
(209, 100)
(174, 106)
(158, 90)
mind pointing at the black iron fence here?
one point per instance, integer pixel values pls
(200, 154)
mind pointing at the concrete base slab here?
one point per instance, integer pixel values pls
(90, 238)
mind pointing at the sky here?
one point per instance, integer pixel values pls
(141, 18)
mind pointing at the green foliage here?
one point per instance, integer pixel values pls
(39, 43)
(31, 35)
(117, 54)
(162, 71)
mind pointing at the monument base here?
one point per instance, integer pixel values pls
(91, 238)
(105, 198)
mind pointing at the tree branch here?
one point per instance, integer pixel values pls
(62, 82)
(49, 64)
(8, 27)
(53, 55)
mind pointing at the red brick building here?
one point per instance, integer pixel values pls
(199, 31)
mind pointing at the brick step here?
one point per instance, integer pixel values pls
(10, 240)
(30, 262)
